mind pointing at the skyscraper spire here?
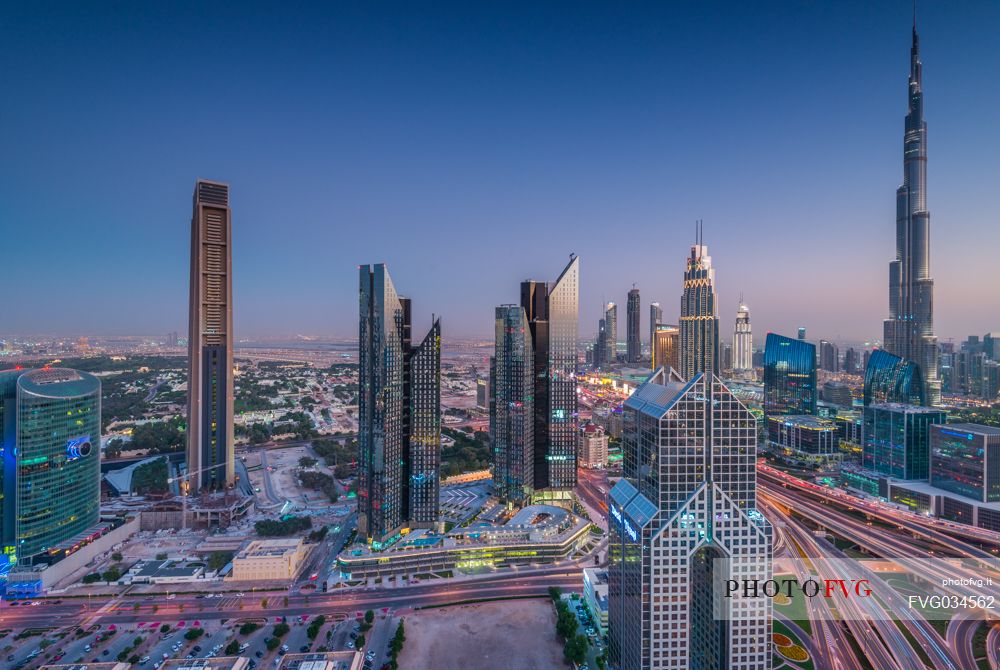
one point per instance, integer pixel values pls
(909, 330)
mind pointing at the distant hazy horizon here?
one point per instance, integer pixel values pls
(473, 146)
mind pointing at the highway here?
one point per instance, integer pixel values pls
(884, 543)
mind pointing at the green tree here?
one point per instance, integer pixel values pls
(248, 628)
(117, 557)
(575, 649)
(360, 642)
(165, 628)
(281, 630)
(194, 633)
(369, 616)
(232, 648)
(133, 659)
(272, 643)
(218, 560)
(555, 593)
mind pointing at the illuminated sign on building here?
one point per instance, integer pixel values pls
(78, 447)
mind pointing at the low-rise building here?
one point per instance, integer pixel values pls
(593, 447)
(595, 594)
(803, 437)
(218, 663)
(330, 660)
(269, 559)
(164, 572)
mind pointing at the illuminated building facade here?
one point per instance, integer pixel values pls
(965, 459)
(666, 347)
(210, 444)
(890, 378)
(803, 436)
(52, 468)
(655, 319)
(399, 415)
(897, 439)
(682, 519)
(512, 380)
(789, 376)
(553, 314)
(909, 330)
(699, 324)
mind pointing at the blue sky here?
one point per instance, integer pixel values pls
(472, 145)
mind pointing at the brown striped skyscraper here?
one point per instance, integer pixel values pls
(210, 340)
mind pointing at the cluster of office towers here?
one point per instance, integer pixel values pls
(533, 402)
(693, 343)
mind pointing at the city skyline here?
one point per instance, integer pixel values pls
(304, 254)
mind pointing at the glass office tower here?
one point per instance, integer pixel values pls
(610, 345)
(890, 378)
(655, 319)
(897, 439)
(425, 429)
(57, 467)
(8, 465)
(789, 376)
(965, 459)
(399, 418)
(633, 342)
(666, 347)
(683, 519)
(512, 382)
(553, 313)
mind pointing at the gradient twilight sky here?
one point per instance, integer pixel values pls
(473, 144)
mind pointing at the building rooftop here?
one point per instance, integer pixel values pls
(971, 428)
(906, 409)
(58, 383)
(807, 421)
(86, 666)
(218, 663)
(331, 660)
(266, 548)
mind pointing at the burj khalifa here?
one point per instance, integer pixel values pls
(909, 330)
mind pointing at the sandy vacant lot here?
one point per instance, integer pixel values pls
(516, 634)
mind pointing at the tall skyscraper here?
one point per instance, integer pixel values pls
(633, 350)
(742, 341)
(687, 500)
(512, 382)
(909, 330)
(553, 313)
(699, 322)
(655, 319)
(610, 345)
(666, 347)
(851, 359)
(599, 342)
(50, 431)
(829, 356)
(399, 413)
(210, 459)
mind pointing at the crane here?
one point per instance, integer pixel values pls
(185, 481)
